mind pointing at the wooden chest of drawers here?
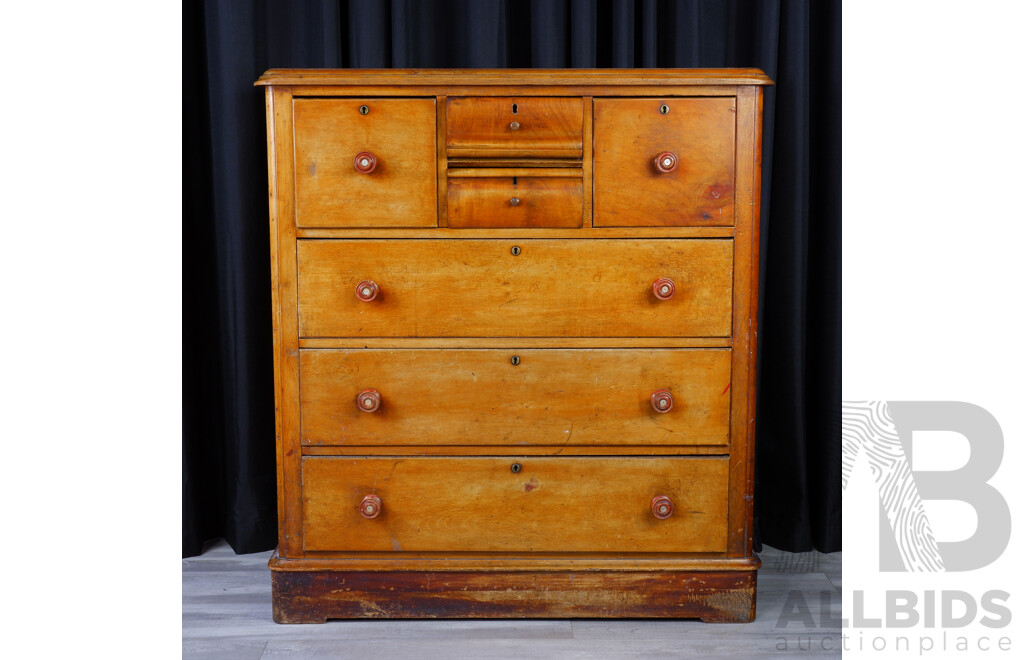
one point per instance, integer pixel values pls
(514, 341)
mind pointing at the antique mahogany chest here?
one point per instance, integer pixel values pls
(515, 319)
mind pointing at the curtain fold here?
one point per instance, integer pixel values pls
(229, 481)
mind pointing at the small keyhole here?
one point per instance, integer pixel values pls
(515, 181)
(664, 110)
(516, 468)
(515, 360)
(515, 108)
(364, 110)
(515, 250)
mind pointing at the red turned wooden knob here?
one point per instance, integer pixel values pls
(661, 507)
(368, 400)
(663, 288)
(661, 401)
(367, 290)
(666, 162)
(365, 162)
(370, 507)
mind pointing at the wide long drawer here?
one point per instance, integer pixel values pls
(552, 397)
(510, 504)
(515, 288)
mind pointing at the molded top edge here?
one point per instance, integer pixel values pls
(513, 77)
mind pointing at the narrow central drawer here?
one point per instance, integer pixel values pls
(509, 504)
(553, 397)
(526, 126)
(515, 288)
(516, 201)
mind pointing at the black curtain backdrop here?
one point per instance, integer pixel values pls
(229, 483)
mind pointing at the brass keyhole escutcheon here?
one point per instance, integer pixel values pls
(515, 360)
(663, 109)
(364, 110)
(516, 468)
(516, 251)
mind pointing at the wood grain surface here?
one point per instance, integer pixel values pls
(553, 397)
(745, 287)
(482, 126)
(560, 280)
(539, 201)
(515, 342)
(314, 597)
(285, 320)
(550, 504)
(629, 133)
(400, 192)
(563, 79)
(552, 288)
(227, 615)
(587, 232)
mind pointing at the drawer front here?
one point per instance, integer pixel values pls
(532, 126)
(392, 183)
(515, 201)
(696, 136)
(515, 288)
(548, 397)
(483, 505)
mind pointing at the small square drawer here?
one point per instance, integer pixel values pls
(490, 198)
(515, 504)
(365, 163)
(515, 126)
(664, 162)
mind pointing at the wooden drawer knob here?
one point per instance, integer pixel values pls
(367, 290)
(514, 126)
(661, 401)
(661, 507)
(666, 162)
(365, 162)
(368, 400)
(370, 507)
(663, 288)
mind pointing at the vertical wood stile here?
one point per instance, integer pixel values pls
(744, 245)
(588, 162)
(755, 270)
(275, 308)
(289, 468)
(441, 108)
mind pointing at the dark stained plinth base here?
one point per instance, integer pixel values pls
(313, 596)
